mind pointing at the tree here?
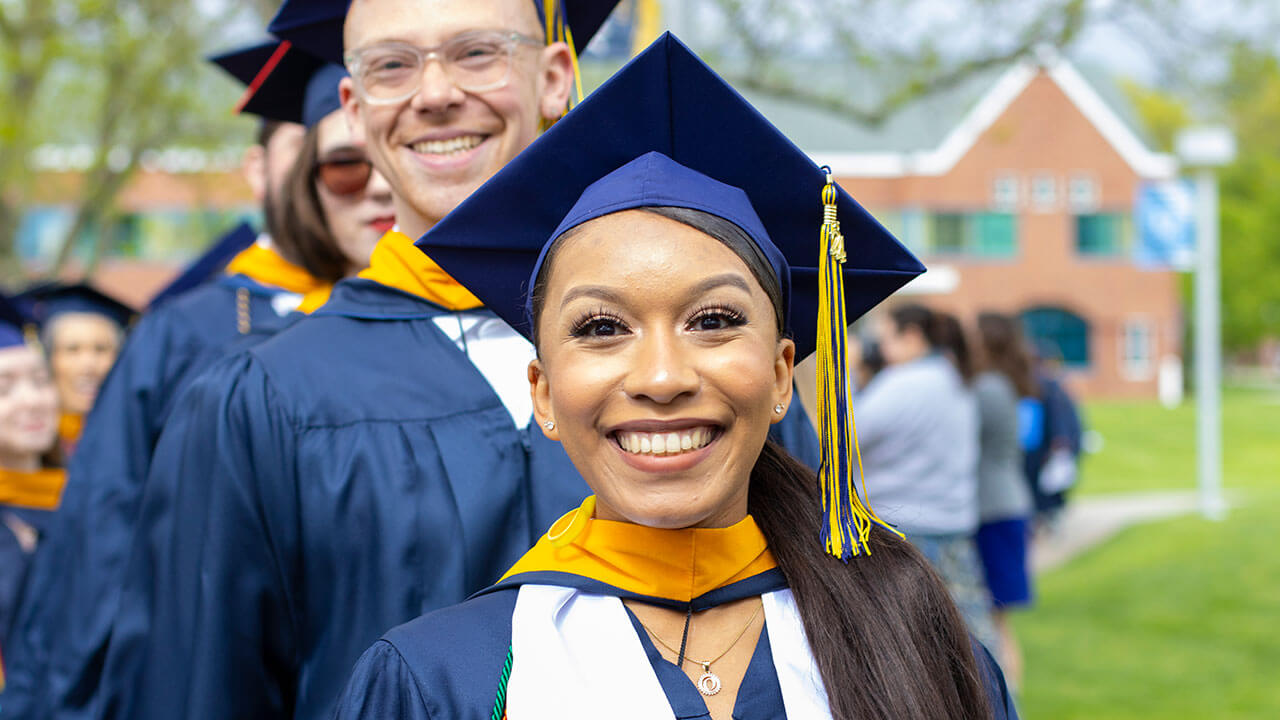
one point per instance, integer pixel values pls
(119, 77)
(1247, 98)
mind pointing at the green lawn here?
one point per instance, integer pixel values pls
(1146, 447)
(1177, 619)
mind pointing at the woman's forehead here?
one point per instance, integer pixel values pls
(643, 252)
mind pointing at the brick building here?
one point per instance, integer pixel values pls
(1017, 190)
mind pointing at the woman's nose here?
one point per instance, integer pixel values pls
(663, 370)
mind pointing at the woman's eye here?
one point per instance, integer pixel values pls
(716, 320)
(599, 327)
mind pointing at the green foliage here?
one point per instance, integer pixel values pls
(116, 77)
(1163, 114)
(1249, 98)
(1250, 211)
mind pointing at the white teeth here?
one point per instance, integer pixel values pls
(670, 443)
(659, 444)
(448, 147)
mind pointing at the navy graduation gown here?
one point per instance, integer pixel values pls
(338, 479)
(15, 561)
(64, 622)
(448, 665)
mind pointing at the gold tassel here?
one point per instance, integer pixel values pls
(847, 521)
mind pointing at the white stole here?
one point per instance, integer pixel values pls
(576, 656)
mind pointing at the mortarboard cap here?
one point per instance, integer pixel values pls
(316, 25)
(667, 130)
(209, 264)
(665, 101)
(284, 83)
(46, 301)
(13, 323)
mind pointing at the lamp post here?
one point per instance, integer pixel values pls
(1205, 149)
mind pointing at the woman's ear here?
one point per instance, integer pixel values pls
(540, 391)
(784, 370)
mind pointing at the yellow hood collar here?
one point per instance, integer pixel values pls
(41, 489)
(678, 565)
(397, 263)
(264, 265)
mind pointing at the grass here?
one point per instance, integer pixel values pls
(1177, 619)
(1147, 447)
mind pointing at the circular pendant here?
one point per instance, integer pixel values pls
(709, 683)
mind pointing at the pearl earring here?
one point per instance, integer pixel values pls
(777, 409)
(549, 425)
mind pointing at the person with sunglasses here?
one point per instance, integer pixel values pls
(337, 202)
(66, 619)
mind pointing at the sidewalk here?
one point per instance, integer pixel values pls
(1091, 520)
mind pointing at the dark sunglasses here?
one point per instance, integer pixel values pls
(344, 175)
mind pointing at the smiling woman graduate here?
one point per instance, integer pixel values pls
(29, 490)
(673, 256)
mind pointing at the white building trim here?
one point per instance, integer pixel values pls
(940, 161)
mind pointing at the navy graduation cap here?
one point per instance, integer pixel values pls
(208, 265)
(284, 83)
(46, 301)
(316, 25)
(13, 323)
(666, 130)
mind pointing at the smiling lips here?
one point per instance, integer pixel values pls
(665, 443)
(452, 146)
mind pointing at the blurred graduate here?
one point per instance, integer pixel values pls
(30, 487)
(671, 286)
(325, 208)
(81, 329)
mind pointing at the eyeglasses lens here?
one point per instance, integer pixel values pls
(344, 177)
(473, 62)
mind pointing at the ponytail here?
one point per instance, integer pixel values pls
(883, 630)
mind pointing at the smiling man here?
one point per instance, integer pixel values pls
(373, 461)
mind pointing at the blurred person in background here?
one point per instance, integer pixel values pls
(65, 623)
(1005, 506)
(81, 330)
(917, 426)
(1052, 438)
(30, 488)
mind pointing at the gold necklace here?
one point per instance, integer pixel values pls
(708, 683)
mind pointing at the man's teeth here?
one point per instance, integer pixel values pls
(448, 147)
(670, 443)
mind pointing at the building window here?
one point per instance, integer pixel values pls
(978, 235)
(1004, 193)
(1082, 194)
(1136, 350)
(1044, 193)
(1059, 332)
(1103, 234)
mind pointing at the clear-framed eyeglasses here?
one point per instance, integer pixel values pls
(479, 61)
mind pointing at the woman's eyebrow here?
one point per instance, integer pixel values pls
(594, 291)
(610, 295)
(728, 279)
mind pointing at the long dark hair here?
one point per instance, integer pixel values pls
(941, 330)
(313, 244)
(1005, 351)
(884, 632)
